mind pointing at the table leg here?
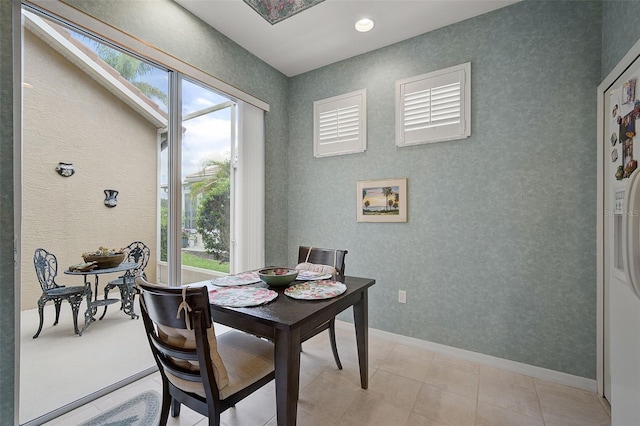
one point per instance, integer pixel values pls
(94, 308)
(361, 321)
(127, 292)
(287, 368)
(88, 317)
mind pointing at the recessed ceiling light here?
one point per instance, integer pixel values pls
(364, 25)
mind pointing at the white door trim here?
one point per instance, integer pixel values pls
(620, 68)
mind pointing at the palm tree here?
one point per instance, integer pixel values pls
(388, 191)
(222, 171)
(130, 68)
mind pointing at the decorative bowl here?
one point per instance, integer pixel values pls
(104, 261)
(278, 276)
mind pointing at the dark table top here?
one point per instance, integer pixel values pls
(286, 312)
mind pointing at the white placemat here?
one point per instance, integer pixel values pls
(240, 297)
(243, 278)
(314, 290)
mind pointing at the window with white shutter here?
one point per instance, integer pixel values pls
(434, 107)
(340, 124)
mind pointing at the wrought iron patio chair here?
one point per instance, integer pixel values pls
(46, 266)
(136, 252)
(206, 373)
(308, 257)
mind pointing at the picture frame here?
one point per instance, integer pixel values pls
(381, 200)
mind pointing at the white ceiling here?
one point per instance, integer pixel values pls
(325, 33)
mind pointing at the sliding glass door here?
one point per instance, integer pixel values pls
(116, 149)
(203, 184)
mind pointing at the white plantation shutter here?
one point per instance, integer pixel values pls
(340, 124)
(434, 107)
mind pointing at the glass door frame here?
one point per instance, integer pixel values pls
(58, 11)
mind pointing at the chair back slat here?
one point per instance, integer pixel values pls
(184, 374)
(171, 351)
(323, 256)
(162, 304)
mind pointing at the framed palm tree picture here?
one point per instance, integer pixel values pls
(383, 200)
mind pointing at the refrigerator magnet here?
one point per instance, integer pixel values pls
(614, 155)
(614, 138)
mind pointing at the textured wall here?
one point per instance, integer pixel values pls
(498, 255)
(192, 41)
(620, 31)
(111, 147)
(7, 281)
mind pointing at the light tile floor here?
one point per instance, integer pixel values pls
(407, 386)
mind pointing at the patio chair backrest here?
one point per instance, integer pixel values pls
(46, 266)
(139, 253)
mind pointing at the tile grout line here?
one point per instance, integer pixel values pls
(475, 420)
(535, 387)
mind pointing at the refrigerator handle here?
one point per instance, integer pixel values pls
(631, 233)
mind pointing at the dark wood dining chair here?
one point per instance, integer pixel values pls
(328, 257)
(205, 372)
(46, 265)
(138, 253)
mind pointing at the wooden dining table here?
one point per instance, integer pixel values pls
(286, 321)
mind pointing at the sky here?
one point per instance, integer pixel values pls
(376, 197)
(206, 137)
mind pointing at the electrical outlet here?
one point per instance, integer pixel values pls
(402, 296)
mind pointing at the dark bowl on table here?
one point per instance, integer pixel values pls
(105, 261)
(278, 276)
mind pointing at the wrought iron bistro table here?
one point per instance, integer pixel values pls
(286, 321)
(93, 305)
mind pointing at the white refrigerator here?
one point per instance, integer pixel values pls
(619, 224)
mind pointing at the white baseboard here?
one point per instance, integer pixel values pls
(558, 377)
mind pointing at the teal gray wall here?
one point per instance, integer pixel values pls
(8, 353)
(620, 31)
(499, 253)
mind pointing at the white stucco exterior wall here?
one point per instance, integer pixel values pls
(69, 117)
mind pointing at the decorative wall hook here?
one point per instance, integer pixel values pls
(110, 197)
(65, 169)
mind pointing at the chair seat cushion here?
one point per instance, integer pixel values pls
(247, 358)
(65, 291)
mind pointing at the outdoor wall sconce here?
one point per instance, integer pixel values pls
(110, 197)
(65, 169)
